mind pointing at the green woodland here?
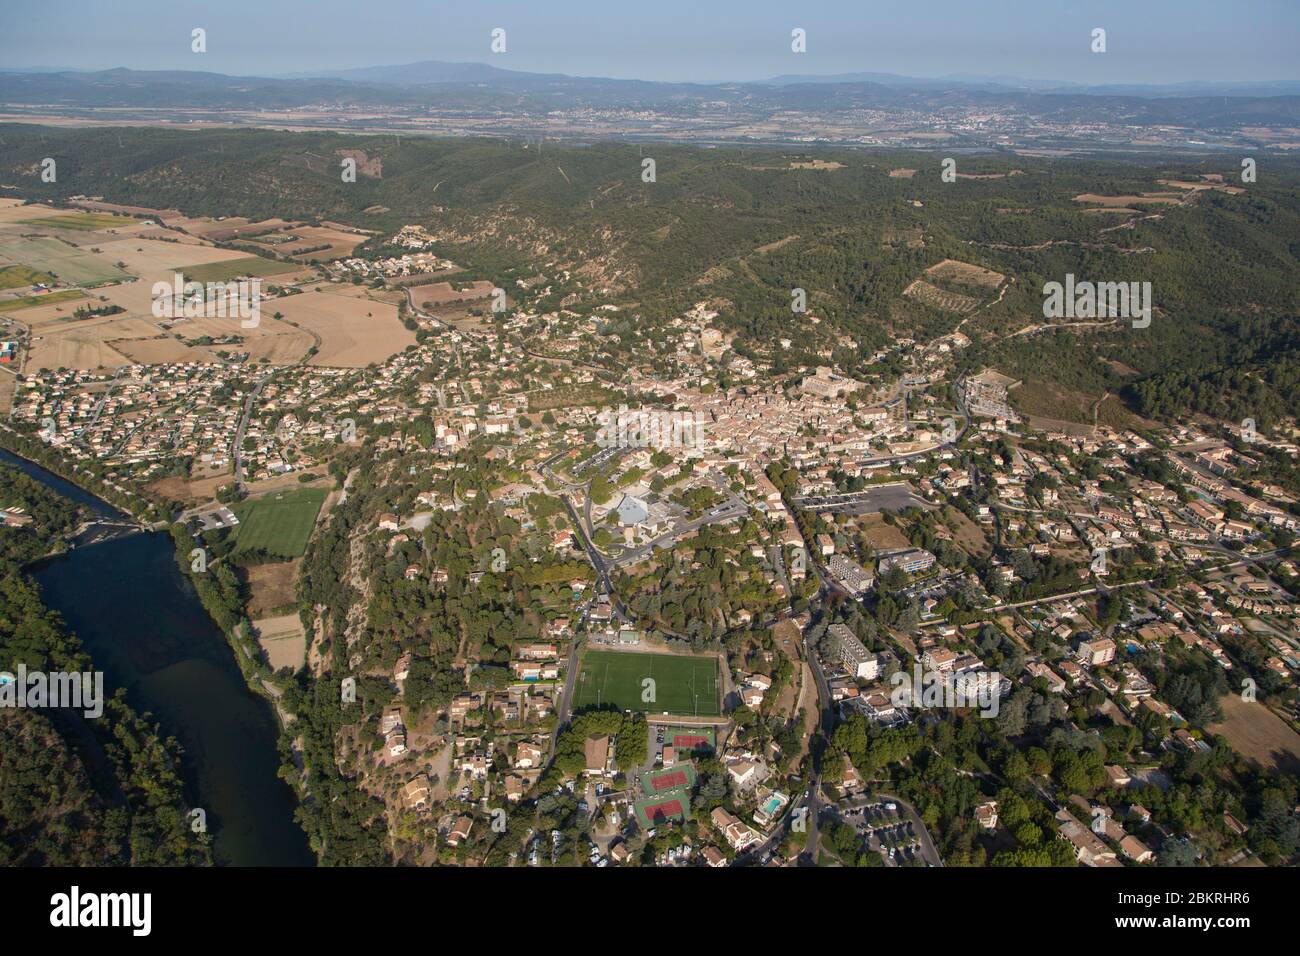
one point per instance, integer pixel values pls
(742, 228)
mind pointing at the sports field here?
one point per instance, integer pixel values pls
(653, 811)
(682, 684)
(228, 269)
(689, 739)
(278, 523)
(669, 778)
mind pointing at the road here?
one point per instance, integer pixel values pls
(566, 697)
(603, 583)
(237, 452)
(810, 801)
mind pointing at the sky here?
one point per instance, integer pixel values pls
(1148, 41)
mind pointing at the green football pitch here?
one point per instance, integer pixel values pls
(278, 523)
(682, 684)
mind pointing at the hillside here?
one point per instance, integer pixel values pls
(741, 229)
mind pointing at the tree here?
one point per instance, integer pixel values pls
(600, 490)
(1179, 853)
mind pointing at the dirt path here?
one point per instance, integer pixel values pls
(808, 704)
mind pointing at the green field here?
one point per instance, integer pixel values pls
(80, 221)
(74, 266)
(234, 268)
(11, 277)
(683, 685)
(278, 523)
(27, 301)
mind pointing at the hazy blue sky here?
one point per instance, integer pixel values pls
(1149, 41)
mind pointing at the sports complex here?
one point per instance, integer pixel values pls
(668, 795)
(649, 683)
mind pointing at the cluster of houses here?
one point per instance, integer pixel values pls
(1104, 840)
(393, 267)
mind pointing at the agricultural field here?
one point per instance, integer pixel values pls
(963, 273)
(61, 340)
(79, 221)
(14, 210)
(683, 684)
(12, 277)
(437, 294)
(254, 266)
(65, 262)
(154, 259)
(937, 298)
(1115, 201)
(278, 523)
(353, 331)
(231, 228)
(8, 383)
(321, 244)
(142, 212)
(31, 301)
(159, 350)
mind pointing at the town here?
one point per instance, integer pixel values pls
(699, 634)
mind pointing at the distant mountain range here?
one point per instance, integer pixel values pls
(972, 110)
(433, 71)
(1011, 83)
(430, 72)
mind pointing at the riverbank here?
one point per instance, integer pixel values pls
(143, 624)
(218, 593)
(119, 502)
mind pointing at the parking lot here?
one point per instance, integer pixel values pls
(886, 830)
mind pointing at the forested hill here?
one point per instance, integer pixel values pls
(741, 228)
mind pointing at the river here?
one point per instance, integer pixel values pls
(141, 621)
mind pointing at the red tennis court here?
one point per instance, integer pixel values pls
(660, 812)
(666, 781)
